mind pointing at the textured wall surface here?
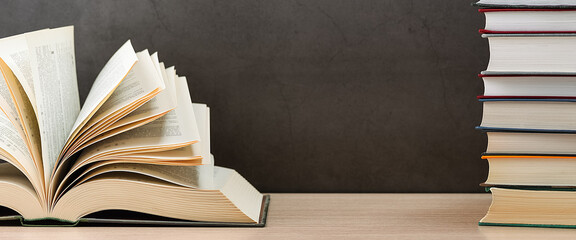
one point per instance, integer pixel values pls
(308, 96)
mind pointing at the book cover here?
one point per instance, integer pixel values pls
(528, 206)
(524, 73)
(519, 4)
(497, 129)
(540, 24)
(525, 99)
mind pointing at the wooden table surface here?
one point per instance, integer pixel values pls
(333, 216)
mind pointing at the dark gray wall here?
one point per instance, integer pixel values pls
(308, 96)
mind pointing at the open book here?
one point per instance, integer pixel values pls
(138, 143)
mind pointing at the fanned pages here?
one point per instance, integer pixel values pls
(137, 144)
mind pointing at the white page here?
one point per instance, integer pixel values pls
(201, 111)
(109, 78)
(161, 103)
(175, 128)
(185, 176)
(53, 66)
(13, 144)
(13, 149)
(206, 171)
(24, 115)
(141, 83)
(8, 107)
(14, 51)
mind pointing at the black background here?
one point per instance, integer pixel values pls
(307, 96)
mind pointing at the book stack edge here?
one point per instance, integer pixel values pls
(529, 99)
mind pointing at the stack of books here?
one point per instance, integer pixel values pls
(530, 112)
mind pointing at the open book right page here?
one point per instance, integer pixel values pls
(206, 171)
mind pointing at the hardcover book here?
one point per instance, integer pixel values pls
(534, 54)
(138, 143)
(531, 207)
(529, 86)
(534, 20)
(531, 170)
(559, 4)
(529, 114)
(530, 142)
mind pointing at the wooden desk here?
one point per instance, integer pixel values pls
(334, 216)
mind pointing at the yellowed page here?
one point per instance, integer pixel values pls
(142, 83)
(164, 102)
(108, 79)
(53, 66)
(178, 154)
(13, 144)
(14, 51)
(8, 106)
(25, 115)
(18, 194)
(235, 200)
(105, 124)
(117, 128)
(184, 156)
(175, 128)
(15, 151)
(185, 176)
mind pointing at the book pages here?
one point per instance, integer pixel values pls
(13, 144)
(162, 103)
(107, 80)
(157, 107)
(186, 176)
(8, 106)
(140, 85)
(15, 53)
(141, 193)
(18, 194)
(181, 157)
(25, 115)
(14, 150)
(173, 130)
(169, 73)
(206, 171)
(53, 66)
(140, 82)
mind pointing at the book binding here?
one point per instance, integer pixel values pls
(17, 220)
